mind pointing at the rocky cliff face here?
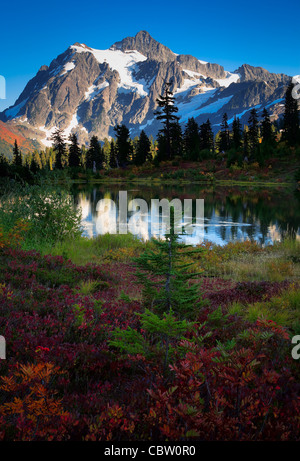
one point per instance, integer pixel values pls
(89, 91)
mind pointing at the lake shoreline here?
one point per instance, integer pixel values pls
(276, 172)
(154, 181)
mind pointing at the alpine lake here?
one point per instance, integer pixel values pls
(231, 213)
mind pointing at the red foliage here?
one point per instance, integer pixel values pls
(62, 380)
(242, 394)
(9, 134)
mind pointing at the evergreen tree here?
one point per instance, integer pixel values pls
(206, 137)
(36, 158)
(49, 157)
(268, 139)
(94, 154)
(171, 298)
(4, 166)
(162, 150)
(34, 166)
(27, 160)
(267, 132)
(279, 124)
(166, 113)
(106, 152)
(43, 160)
(246, 143)
(192, 140)
(291, 117)
(17, 156)
(74, 151)
(253, 134)
(59, 147)
(176, 138)
(237, 137)
(123, 145)
(113, 160)
(172, 290)
(143, 153)
(224, 140)
(134, 145)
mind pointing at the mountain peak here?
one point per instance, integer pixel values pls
(145, 44)
(257, 74)
(143, 33)
(80, 45)
(88, 91)
(43, 68)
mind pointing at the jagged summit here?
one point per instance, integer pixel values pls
(146, 45)
(83, 45)
(89, 91)
(250, 73)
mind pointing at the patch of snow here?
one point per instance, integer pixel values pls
(196, 80)
(93, 90)
(73, 124)
(242, 113)
(193, 74)
(215, 106)
(13, 112)
(142, 127)
(190, 108)
(274, 102)
(187, 85)
(228, 80)
(123, 63)
(67, 67)
(123, 90)
(208, 109)
(47, 141)
(147, 84)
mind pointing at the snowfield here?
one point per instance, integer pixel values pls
(123, 62)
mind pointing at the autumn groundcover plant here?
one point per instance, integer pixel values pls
(71, 374)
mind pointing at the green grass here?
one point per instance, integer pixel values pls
(290, 249)
(274, 263)
(83, 250)
(88, 287)
(283, 309)
(268, 267)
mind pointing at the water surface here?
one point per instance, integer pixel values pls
(264, 215)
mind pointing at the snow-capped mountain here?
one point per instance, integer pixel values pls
(89, 91)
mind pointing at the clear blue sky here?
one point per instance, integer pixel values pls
(257, 32)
